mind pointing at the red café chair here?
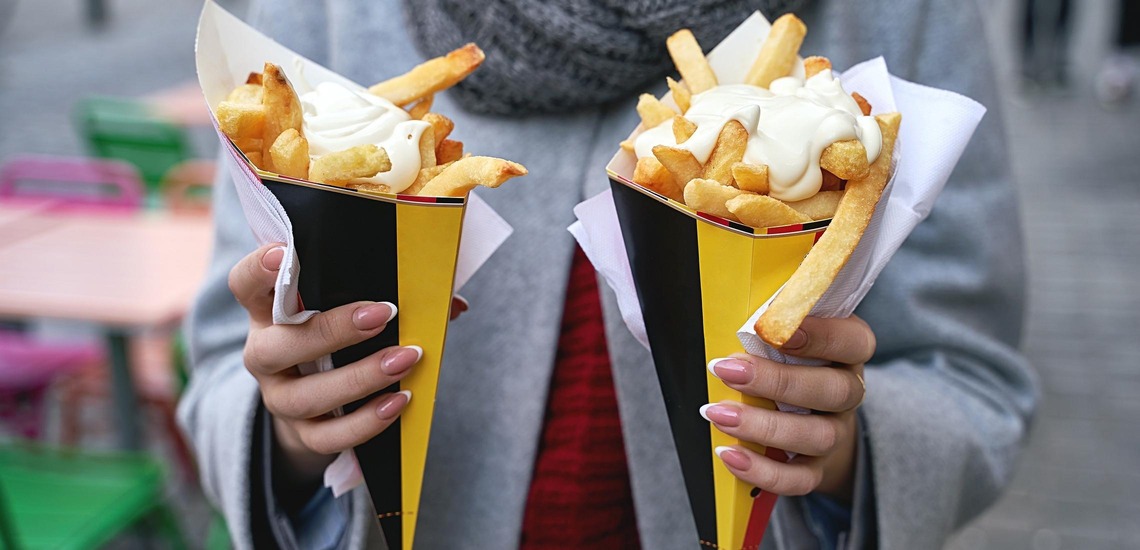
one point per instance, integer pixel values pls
(72, 183)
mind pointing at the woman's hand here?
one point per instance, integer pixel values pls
(825, 441)
(307, 435)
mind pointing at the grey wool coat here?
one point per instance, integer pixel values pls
(949, 397)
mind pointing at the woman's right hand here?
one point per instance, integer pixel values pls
(307, 435)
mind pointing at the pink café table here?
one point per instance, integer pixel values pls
(122, 272)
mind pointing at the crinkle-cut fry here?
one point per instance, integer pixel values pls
(819, 206)
(830, 254)
(816, 64)
(831, 182)
(448, 150)
(846, 159)
(247, 93)
(254, 78)
(241, 121)
(683, 129)
(864, 105)
(425, 175)
(751, 177)
(627, 145)
(430, 76)
(427, 148)
(681, 94)
(778, 54)
(729, 150)
(468, 173)
(290, 154)
(691, 61)
(710, 197)
(341, 167)
(679, 162)
(282, 108)
(421, 107)
(441, 124)
(649, 173)
(652, 111)
(762, 211)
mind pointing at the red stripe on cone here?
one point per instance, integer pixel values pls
(762, 507)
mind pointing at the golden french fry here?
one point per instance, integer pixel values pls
(441, 124)
(729, 150)
(448, 151)
(282, 108)
(691, 61)
(679, 162)
(627, 145)
(430, 76)
(253, 78)
(652, 111)
(369, 187)
(425, 175)
(427, 148)
(421, 107)
(681, 94)
(816, 64)
(247, 93)
(834, 248)
(778, 54)
(762, 211)
(819, 206)
(254, 156)
(846, 159)
(290, 154)
(751, 177)
(864, 105)
(683, 128)
(341, 167)
(247, 145)
(241, 121)
(831, 182)
(468, 173)
(709, 196)
(650, 174)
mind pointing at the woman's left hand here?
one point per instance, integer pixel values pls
(824, 441)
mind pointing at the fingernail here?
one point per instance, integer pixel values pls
(373, 316)
(273, 258)
(402, 360)
(797, 340)
(466, 305)
(724, 415)
(733, 458)
(731, 370)
(394, 404)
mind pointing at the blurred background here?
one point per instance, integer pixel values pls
(100, 107)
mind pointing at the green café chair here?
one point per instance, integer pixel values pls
(67, 499)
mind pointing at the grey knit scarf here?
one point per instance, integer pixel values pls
(551, 56)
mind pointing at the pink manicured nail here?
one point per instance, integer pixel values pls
(393, 404)
(733, 458)
(733, 371)
(401, 360)
(796, 340)
(373, 316)
(724, 415)
(273, 258)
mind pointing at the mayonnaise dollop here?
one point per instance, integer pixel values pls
(338, 118)
(789, 125)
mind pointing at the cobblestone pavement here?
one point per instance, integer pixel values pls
(1078, 168)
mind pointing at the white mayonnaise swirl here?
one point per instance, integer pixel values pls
(337, 118)
(789, 125)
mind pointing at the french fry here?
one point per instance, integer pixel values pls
(653, 176)
(762, 211)
(254, 157)
(421, 107)
(831, 182)
(729, 150)
(864, 105)
(815, 65)
(709, 196)
(341, 167)
(425, 175)
(830, 254)
(778, 54)
(751, 177)
(247, 145)
(282, 108)
(430, 76)
(448, 150)
(468, 173)
(241, 121)
(846, 159)
(679, 162)
(683, 128)
(441, 124)
(247, 93)
(681, 94)
(290, 154)
(427, 148)
(369, 187)
(253, 78)
(820, 206)
(691, 61)
(652, 111)
(627, 145)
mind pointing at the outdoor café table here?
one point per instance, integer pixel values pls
(121, 272)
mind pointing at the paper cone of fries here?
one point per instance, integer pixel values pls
(353, 246)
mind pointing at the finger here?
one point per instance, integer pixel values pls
(848, 341)
(459, 304)
(297, 396)
(798, 477)
(278, 347)
(252, 281)
(810, 434)
(830, 389)
(334, 434)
